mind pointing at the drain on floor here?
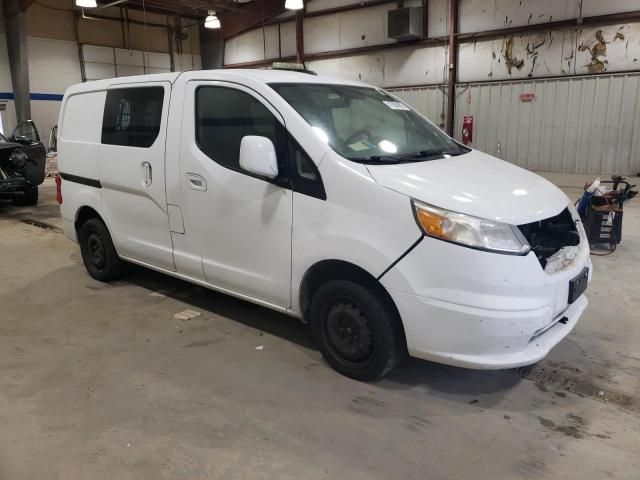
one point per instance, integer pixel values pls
(44, 226)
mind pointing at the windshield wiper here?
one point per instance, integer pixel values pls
(404, 158)
(432, 153)
(421, 156)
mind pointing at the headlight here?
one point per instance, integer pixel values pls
(470, 231)
(576, 218)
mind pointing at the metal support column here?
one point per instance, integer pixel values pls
(16, 31)
(452, 77)
(211, 48)
(300, 36)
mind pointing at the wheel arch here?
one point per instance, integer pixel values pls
(84, 213)
(87, 212)
(327, 270)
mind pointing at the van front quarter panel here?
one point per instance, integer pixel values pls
(359, 223)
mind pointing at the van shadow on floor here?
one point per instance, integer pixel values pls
(458, 384)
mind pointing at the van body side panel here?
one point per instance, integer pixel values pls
(186, 252)
(133, 191)
(359, 223)
(79, 134)
(242, 224)
(78, 154)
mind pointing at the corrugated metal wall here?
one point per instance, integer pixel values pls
(588, 124)
(430, 101)
(574, 125)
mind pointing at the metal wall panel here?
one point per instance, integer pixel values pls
(430, 101)
(588, 124)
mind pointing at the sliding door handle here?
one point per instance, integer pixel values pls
(148, 175)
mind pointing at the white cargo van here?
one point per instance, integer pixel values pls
(328, 200)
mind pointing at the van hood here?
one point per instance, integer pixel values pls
(475, 184)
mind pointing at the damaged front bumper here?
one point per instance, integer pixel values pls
(12, 187)
(483, 310)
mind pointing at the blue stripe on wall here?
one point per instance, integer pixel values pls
(46, 96)
(34, 96)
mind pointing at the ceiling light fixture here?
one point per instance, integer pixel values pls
(211, 21)
(293, 4)
(86, 3)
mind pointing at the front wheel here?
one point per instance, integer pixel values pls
(98, 253)
(357, 331)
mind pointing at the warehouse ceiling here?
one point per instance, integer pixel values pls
(235, 15)
(197, 8)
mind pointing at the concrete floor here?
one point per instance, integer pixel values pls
(99, 381)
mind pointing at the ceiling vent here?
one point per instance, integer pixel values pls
(405, 23)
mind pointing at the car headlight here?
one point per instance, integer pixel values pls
(576, 218)
(470, 231)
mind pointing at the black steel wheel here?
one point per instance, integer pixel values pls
(348, 332)
(357, 330)
(98, 253)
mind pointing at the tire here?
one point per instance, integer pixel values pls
(29, 198)
(98, 253)
(357, 331)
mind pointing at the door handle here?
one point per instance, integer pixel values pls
(196, 182)
(148, 177)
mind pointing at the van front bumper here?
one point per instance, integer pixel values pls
(482, 310)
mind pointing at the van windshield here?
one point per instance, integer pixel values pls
(366, 124)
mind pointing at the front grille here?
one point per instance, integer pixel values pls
(548, 236)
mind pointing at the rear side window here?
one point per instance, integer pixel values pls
(225, 115)
(132, 116)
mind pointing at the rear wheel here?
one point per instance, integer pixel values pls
(29, 197)
(98, 253)
(357, 331)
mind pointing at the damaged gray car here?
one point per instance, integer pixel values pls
(22, 164)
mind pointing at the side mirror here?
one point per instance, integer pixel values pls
(258, 156)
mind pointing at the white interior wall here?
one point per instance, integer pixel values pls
(388, 68)
(53, 66)
(350, 29)
(107, 62)
(560, 52)
(557, 52)
(7, 114)
(250, 46)
(479, 15)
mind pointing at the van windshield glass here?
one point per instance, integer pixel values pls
(366, 124)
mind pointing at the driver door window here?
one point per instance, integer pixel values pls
(224, 116)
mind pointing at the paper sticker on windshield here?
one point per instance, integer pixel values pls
(358, 146)
(395, 105)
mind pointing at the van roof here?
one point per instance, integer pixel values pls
(262, 76)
